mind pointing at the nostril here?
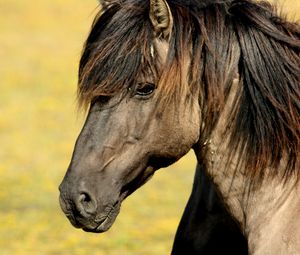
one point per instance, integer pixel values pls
(85, 198)
(86, 204)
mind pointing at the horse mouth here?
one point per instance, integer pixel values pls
(102, 219)
(103, 223)
(97, 223)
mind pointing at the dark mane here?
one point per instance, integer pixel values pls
(119, 41)
(224, 35)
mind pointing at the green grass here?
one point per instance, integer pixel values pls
(41, 43)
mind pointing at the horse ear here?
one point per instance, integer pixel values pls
(161, 18)
(104, 4)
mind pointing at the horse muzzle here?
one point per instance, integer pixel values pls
(83, 211)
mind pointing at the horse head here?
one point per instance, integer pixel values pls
(134, 126)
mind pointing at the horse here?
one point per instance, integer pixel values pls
(162, 77)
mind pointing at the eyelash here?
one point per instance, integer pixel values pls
(145, 89)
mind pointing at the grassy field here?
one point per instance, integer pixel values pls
(40, 48)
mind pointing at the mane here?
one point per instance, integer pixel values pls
(116, 52)
(225, 35)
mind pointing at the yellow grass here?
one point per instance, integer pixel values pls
(40, 48)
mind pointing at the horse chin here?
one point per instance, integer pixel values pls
(103, 223)
(103, 227)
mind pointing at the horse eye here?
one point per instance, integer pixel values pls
(145, 89)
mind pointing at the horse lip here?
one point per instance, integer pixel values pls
(100, 228)
(104, 225)
(97, 229)
(105, 222)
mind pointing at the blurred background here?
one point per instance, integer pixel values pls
(40, 45)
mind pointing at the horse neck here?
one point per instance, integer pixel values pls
(272, 219)
(268, 213)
